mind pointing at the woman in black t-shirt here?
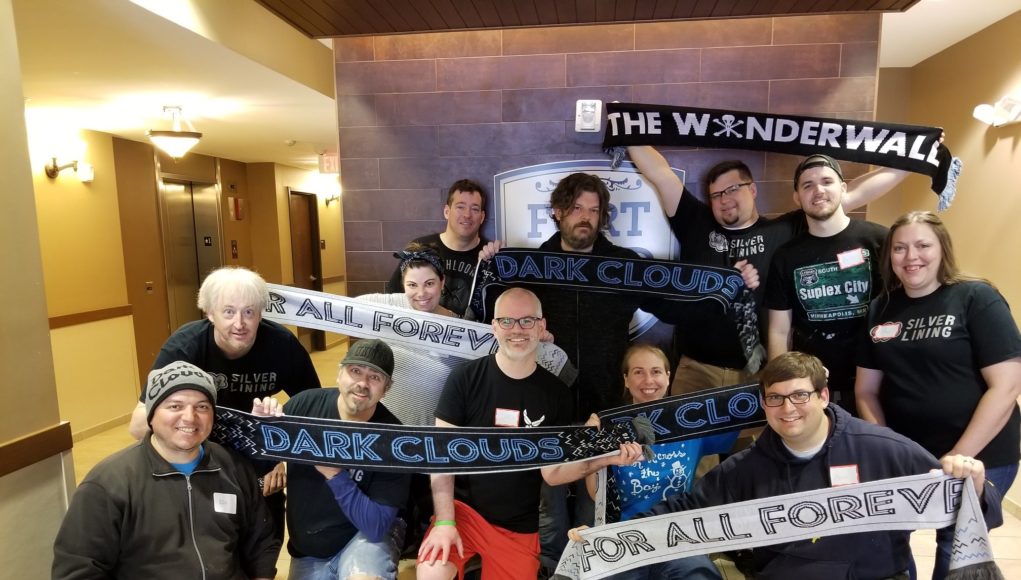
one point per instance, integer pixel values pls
(941, 362)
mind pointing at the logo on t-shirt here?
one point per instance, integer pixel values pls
(718, 242)
(220, 379)
(536, 423)
(885, 331)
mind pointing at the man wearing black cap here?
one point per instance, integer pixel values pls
(124, 521)
(345, 520)
(721, 231)
(821, 282)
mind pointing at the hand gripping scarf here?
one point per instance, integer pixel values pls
(914, 502)
(908, 147)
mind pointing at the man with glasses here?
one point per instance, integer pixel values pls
(810, 444)
(726, 231)
(494, 515)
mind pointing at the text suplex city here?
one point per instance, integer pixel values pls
(908, 147)
(651, 277)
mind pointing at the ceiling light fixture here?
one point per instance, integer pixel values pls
(175, 142)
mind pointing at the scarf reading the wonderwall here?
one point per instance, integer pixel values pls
(909, 147)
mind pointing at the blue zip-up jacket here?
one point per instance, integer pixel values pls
(767, 469)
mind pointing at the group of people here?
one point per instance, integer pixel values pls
(865, 327)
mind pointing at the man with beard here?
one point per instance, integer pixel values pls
(725, 230)
(821, 282)
(345, 523)
(458, 246)
(494, 515)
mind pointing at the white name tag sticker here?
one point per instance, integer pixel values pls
(843, 475)
(507, 418)
(851, 258)
(225, 503)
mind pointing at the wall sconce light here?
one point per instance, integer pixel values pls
(331, 199)
(86, 173)
(1005, 112)
(175, 142)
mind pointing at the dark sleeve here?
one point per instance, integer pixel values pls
(450, 407)
(259, 546)
(372, 518)
(173, 350)
(777, 296)
(86, 545)
(690, 218)
(303, 372)
(393, 285)
(993, 332)
(865, 350)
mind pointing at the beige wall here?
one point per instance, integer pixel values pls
(79, 228)
(943, 90)
(83, 264)
(33, 497)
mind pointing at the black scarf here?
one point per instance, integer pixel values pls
(909, 147)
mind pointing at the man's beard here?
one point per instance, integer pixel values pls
(578, 239)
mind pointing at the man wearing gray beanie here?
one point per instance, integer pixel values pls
(125, 519)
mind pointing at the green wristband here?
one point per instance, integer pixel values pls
(444, 523)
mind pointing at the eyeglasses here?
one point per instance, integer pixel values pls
(525, 323)
(729, 191)
(797, 397)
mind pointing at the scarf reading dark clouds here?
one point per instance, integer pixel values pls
(652, 278)
(909, 147)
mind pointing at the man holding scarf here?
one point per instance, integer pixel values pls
(811, 444)
(727, 230)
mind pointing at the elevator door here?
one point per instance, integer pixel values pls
(191, 243)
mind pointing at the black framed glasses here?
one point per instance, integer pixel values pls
(797, 398)
(526, 322)
(729, 191)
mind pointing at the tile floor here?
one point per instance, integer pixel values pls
(1006, 539)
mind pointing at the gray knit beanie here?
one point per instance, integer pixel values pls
(176, 376)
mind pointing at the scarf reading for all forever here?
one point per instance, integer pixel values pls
(653, 278)
(925, 501)
(908, 147)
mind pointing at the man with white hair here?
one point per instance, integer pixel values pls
(248, 357)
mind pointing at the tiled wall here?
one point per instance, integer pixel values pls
(420, 111)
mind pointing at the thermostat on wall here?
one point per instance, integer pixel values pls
(588, 116)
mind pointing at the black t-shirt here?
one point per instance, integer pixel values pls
(828, 283)
(479, 394)
(931, 351)
(457, 280)
(315, 523)
(277, 362)
(704, 332)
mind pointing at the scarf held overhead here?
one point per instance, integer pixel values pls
(914, 502)
(908, 147)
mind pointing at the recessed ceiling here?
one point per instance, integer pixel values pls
(111, 65)
(331, 18)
